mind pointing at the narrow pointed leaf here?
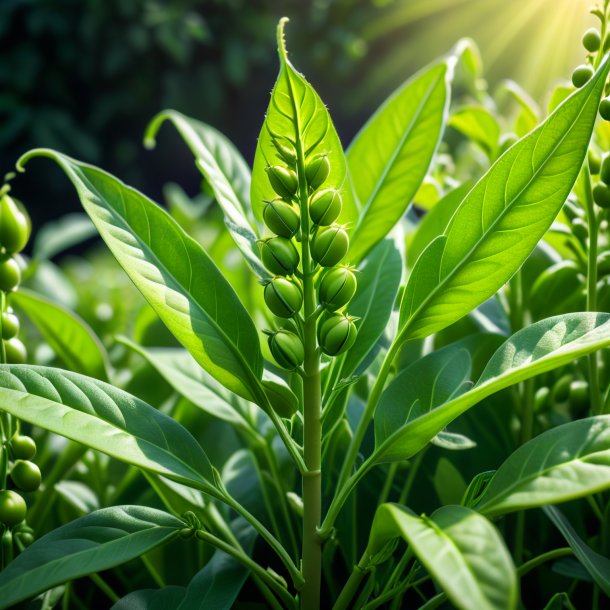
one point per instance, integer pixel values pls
(173, 272)
(90, 544)
(390, 156)
(461, 550)
(227, 174)
(403, 427)
(105, 418)
(501, 220)
(69, 336)
(566, 462)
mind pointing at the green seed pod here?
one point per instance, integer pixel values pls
(595, 161)
(325, 207)
(601, 195)
(580, 229)
(579, 395)
(23, 447)
(329, 245)
(283, 180)
(279, 256)
(581, 75)
(26, 538)
(10, 275)
(281, 217)
(603, 263)
(317, 171)
(541, 398)
(286, 152)
(15, 226)
(604, 109)
(337, 288)
(604, 170)
(12, 508)
(15, 351)
(591, 40)
(281, 397)
(10, 325)
(561, 389)
(287, 349)
(336, 334)
(26, 475)
(283, 297)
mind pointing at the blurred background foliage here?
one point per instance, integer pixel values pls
(86, 76)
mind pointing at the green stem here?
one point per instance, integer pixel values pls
(415, 464)
(105, 587)
(528, 566)
(353, 584)
(153, 571)
(387, 485)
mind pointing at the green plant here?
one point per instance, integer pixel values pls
(367, 371)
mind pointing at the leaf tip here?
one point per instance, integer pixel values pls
(35, 152)
(281, 39)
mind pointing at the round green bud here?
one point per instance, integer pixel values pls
(283, 180)
(603, 263)
(26, 538)
(604, 170)
(604, 109)
(286, 153)
(26, 475)
(337, 287)
(595, 161)
(579, 394)
(15, 351)
(561, 388)
(281, 397)
(12, 508)
(541, 398)
(23, 447)
(10, 325)
(287, 349)
(325, 207)
(14, 226)
(581, 75)
(282, 218)
(279, 256)
(283, 297)
(317, 170)
(591, 40)
(329, 245)
(336, 334)
(601, 195)
(580, 229)
(10, 275)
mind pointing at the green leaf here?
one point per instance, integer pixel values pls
(296, 112)
(105, 418)
(597, 565)
(391, 154)
(174, 274)
(460, 549)
(56, 236)
(227, 174)
(96, 542)
(501, 220)
(566, 462)
(479, 126)
(70, 337)
(151, 599)
(410, 413)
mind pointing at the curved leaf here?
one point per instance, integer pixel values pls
(479, 126)
(460, 549)
(296, 111)
(566, 462)
(174, 274)
(96, 542)
(501, 220)
(391, 154)
(227, 174)
(407, 419)
(70, 337)
(102, 417)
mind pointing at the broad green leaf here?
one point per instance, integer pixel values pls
(597, 565)
(187, 378)
(461, 550)
(566, 462)
(90, 544)
(478, 125)
(151, 599)
(296, 112)
(70, 337)
(174, 274)
(105, 418)
(501, 220)
(391, 154)
(227, 174)
(411, 412)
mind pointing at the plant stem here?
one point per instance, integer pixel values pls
(105, 587)
(596, 402)
(528, 566)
